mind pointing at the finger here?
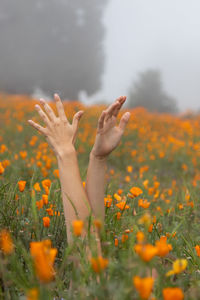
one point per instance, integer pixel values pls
(77, 118)
(48, 110)
(60, 108)
(121, 101)
(101, 120)
(124, 121)
(110, 110)
(75, 122)
(37, 126)
(42, 115)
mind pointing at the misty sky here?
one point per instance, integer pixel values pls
(163, 34)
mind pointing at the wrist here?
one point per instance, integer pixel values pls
(66, 152)
(98, 157)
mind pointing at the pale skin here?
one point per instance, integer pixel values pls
(61, 136)
(107, 139)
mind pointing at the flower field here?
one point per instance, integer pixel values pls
(150, 241)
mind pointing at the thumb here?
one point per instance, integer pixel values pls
(124, 121)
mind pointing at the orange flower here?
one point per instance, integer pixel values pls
(77, 227)
(162, 246)
(197, 248)
(144, 286)
(6, 244)
(98, 224)
(124, 238)
(116, 242)
(56, 173)
(108, 201)
(39, 204)
(45, 199)
(118, 215)
(37, 187)
(136, 191)
(46, 183)
(122, 205)
(150, 228)
(127, 178)
(46, 221)
(174, 293)
(21, 185)
(2, 169)
(49, 210)
(32, 294)
(146, 252)
(140, 236)
(129, 169)
(143, 203)
(43, 256)
(99, 264)
(23, 154)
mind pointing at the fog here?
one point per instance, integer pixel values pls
(101, 61)
(159, 34)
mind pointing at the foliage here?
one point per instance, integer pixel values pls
(154, 174)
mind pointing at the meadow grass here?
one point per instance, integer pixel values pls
(159, 154)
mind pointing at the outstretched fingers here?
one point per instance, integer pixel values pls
(121, 101)
(75, 122)
(101, 120)
(42, 115)
(110, 110)
(60, 108)
(48, 110)
(38, 127)
(124, 121)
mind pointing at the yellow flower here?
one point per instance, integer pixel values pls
(144, 286)
(117, 197)
(179, 266)
(43, 256)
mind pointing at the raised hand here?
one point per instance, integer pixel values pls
(60, 134)
(108, 133)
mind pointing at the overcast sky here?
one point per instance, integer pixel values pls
(162, 34)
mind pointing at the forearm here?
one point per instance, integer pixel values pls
(95, 185)
(75, 202)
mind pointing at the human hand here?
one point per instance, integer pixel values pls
(108, 134)
(59, 133)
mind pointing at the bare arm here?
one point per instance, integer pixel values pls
(61, 136)
(107, 139)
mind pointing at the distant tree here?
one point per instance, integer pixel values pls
(148, 92)
(53, 45)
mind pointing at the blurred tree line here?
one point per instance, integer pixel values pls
(148, 92)
(54, 45)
